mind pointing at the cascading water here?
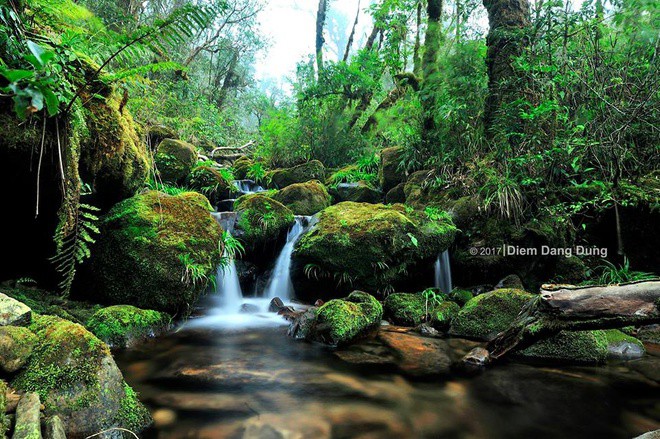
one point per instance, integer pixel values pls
(443, 272)
(247, 187)
(279, 284)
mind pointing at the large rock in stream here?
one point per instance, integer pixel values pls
(77, 379)
(367, 246)
(304, 198)
(312, 170)
(156, 251)
(174, 160)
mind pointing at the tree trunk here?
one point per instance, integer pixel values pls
(561, 308)
(352, 35)
(417, 64)
(508, 21)
(432, 41)
(231, 81)
(320, 25)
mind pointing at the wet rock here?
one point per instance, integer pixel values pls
(13, 312)
(288, 313)
(301, 327)
(261, 224)
(291, 426)
(125, 325)
(486, 315)
(304, 198)
(342, 321)
(443, 314)
(275, 305)
(647, 366)
(396, 194)
(579, 347)
(622, 346)
(4, 410)
(427, 330)
(28, 417)
(312, 170)
(510, 281)
(54, 428)
(211, 182)
(249, 308)
(174, 160)
(148, 242)
(78, 380)
(16, 345)
(406, 309)
(649, 334)
(474, 361)
(319, 302)
(650, 435)
(359, 192)
(388, 169)
(418, 356)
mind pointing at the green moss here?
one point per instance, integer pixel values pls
(16, 346)
(118, 325)
(241, 167)
(370, 245)
(140, 257)
(342, 321)
(211, 182)
(460, 296)
(132, 414)
(486, 315)
(174, 160)
(304, 198)
(313, 170)
(262, 219)
(570, 347)
(443, 314)
(5, 422)
(406, 309)
(616, 338)
(66, 355)
(389, 174)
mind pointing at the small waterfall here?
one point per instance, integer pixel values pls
(443, 272)
(279, 284)
(247, 187)
(228, 287)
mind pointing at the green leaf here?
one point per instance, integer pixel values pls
(52, 102)
(16, 75)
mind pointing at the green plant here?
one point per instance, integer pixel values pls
(431, 300)
(233, 248)
(611, 274)
(193, 273)
(73, 246)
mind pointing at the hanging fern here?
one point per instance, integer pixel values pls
(72, 247)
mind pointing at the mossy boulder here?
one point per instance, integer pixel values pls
(443, 314)
(304, 198)
(241, 167)
(312, 170)
(388, 169)
(359, 192)
(342, 321)
(460, 296)
(419, 193)
(406, 309)
(368, 246)
(77, 380)
(649, 334)
(158, 133)
(124, 325)
(175, 159)
(16, 345)
(4, 419)
(261, 221)
(214, 183)
(148, 247)
(486, 315)
(622, 346)
(569, 347)
(396, 195)
(113, 159)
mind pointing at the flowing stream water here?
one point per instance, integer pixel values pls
(442, 270)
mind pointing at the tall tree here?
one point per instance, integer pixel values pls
(507, 39)
(321, 14)
(432, 42)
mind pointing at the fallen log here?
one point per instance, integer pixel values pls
(232, 148)
(571, 308)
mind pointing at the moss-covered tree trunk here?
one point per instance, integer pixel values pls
(320, 25)
(507, 39)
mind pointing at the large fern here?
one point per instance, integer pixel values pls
(72, 246)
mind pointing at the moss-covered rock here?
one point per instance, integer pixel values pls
(359, 192)
(77, 379)
(156, 251)
(419, 193)
(406, 309)
(649, 334)
(388, 169)
(113, 159)
(261, 221)
(175, 159)
(214, 183)
(241, 167)
(342, 321)
(123, 325)
(4, 419)
(16, 345)
(304, 198)
(569, 347)
(486, 315)
(443, 314)
(460, 296)
(396, 195)
(368, 246)
(158, 133)
(622, 346)
(312, 170)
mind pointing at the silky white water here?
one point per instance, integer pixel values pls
(443, 272)
(280, 284)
